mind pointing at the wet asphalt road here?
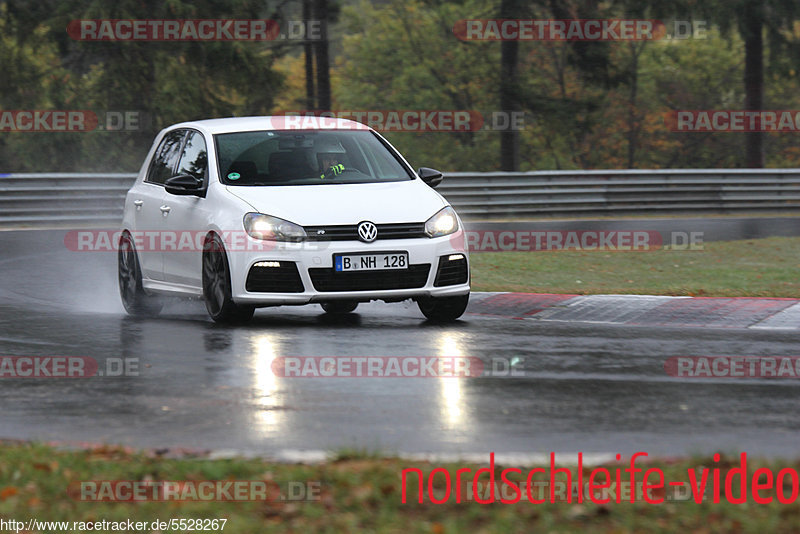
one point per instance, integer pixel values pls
(587, 387)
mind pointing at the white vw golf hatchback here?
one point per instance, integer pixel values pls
(267, 211)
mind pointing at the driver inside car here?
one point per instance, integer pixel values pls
(329, 157)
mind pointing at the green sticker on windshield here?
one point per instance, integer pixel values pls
(234, 176)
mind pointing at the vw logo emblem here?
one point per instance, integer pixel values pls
(367, 232)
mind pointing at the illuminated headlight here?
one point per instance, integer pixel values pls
(443, 223)
(260, 226)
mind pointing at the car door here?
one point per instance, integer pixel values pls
(149, 218)
(187, 215)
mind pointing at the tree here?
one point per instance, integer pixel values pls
(308, 53)
(752, 18)
(509, 88)
(404, 55)
(166, 81)
(751, 27)
(321, 57)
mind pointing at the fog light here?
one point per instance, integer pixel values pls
(267, 264)
(455, 257)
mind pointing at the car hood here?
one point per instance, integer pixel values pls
(391, 202)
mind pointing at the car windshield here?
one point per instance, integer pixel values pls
(306, 157)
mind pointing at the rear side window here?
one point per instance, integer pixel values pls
(165, 158)
(194, 160)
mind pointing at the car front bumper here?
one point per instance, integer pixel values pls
(317, 256)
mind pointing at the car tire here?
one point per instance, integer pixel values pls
(443, 309)
(129, 275)
(339, 306)
(217, 286)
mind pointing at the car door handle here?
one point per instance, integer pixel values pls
(138, 203)
(165, 209)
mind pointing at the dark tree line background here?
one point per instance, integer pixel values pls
(586, 104)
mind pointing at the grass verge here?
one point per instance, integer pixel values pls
(356, 494)
(750, 268)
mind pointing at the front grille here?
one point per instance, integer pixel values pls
(283, 279)
(451, 272)
(349, 232)
(330, 280)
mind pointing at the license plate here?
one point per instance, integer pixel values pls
(370, 262)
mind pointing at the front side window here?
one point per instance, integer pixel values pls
(306, 157)
(165, 157)
(194, 158)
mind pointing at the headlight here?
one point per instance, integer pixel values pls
(260, 226)
(443, 223)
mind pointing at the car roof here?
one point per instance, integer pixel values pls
(273, 122)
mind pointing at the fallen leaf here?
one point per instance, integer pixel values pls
(8, 491)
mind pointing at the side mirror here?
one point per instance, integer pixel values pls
(184, 184)
(432, 177)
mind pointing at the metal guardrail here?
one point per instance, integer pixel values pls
(51, 199)
(623, 192)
